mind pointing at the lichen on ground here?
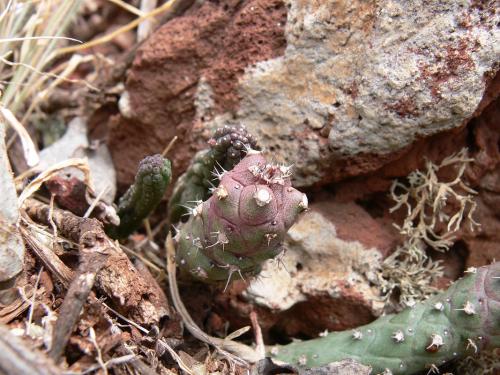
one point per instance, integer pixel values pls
(435, 210)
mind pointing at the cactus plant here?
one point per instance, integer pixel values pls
(242, 224)
(227, 147)
(151, 181)
(460, 321)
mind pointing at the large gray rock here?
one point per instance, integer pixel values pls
(337, 88)
(364, 79)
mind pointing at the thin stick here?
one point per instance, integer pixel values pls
(122, 317)
(178, 359)
(174, 355)
(51, 213)
(115, 33)
(18, 358)
(128, 7)
(50, 260)
(169, 146)
(95, 202)
(142, 258)
(29, 149)
(259, 340)
(33, 301)
(149, 232)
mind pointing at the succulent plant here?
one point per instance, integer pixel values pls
(242, 224)
(142, 197)
(227, 147)
(461, 321)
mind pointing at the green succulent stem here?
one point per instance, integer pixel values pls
(459, 322)
(143, 196)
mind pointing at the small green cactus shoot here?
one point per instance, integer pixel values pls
(151, 182)
(242, 224)
(461, 321)
(227, 147)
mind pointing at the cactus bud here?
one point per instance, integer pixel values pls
(151, 182)
(243, 223)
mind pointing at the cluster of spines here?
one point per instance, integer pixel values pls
(461, 321)
(143, 196)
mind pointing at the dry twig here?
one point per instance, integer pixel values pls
(102, 261)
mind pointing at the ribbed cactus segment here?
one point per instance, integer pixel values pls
(242, 224)
(151, 182)
(227, 147)
(458, 322)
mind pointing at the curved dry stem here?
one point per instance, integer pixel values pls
(235, 351)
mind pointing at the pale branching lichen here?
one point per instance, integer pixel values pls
(409, 272)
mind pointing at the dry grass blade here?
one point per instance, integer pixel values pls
(31, 32)
(30, 153)
(169, 146)
(60, 74)
(145, 28)
(35, 238)
(128, 7)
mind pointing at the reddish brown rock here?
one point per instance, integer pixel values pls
(69, 193)
(484, 176)
(353, 223)
(208, 48)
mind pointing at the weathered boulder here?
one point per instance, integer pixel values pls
(337, 88)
